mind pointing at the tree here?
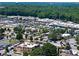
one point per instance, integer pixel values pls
(26, 36)
(37, 52)
(19, 29)
(45, 30)
(56, 34)
(1, 33)
(41, 39)
(52, 36)
(49, 50)
(6, 49)
(19, 36)
(20, 20)
(78, 47)
(25, 53)
(54, 12)
(77, 39)
(2, 30)
(8, 29)
(16, 29)
(36, 38)
(31, 38)
(68, 46)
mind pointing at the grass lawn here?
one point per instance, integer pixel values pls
(8, 41)
(12, 41)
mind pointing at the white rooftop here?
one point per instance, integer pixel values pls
(56, 44)
(28, 45)
(74, 51)
(65, 35)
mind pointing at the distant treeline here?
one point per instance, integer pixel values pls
(53, 12)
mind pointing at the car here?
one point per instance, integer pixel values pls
(1, 38)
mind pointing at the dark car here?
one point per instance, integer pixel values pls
(1, 38)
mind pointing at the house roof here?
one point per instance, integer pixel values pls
(65, 35)
(28, 45)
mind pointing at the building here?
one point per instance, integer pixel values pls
(66, 36)
(26, 46)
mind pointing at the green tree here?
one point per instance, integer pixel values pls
(26, 35)
(25, 53)
(78, 47)
(36, 38)
(19, 36)
(45, 30)
(2, 30)
(53, 36)
(37, 52)
(77, 39)
(49, 50)
(41, 39)
(68, 46)
(6, 49)
(19, 29)
(31, 38)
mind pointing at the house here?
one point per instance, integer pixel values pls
(74, 52)
(73, 46)
(66, 35)
(26, 46)
(76, 31)
(2, 52)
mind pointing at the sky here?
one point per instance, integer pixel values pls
(39, 0)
